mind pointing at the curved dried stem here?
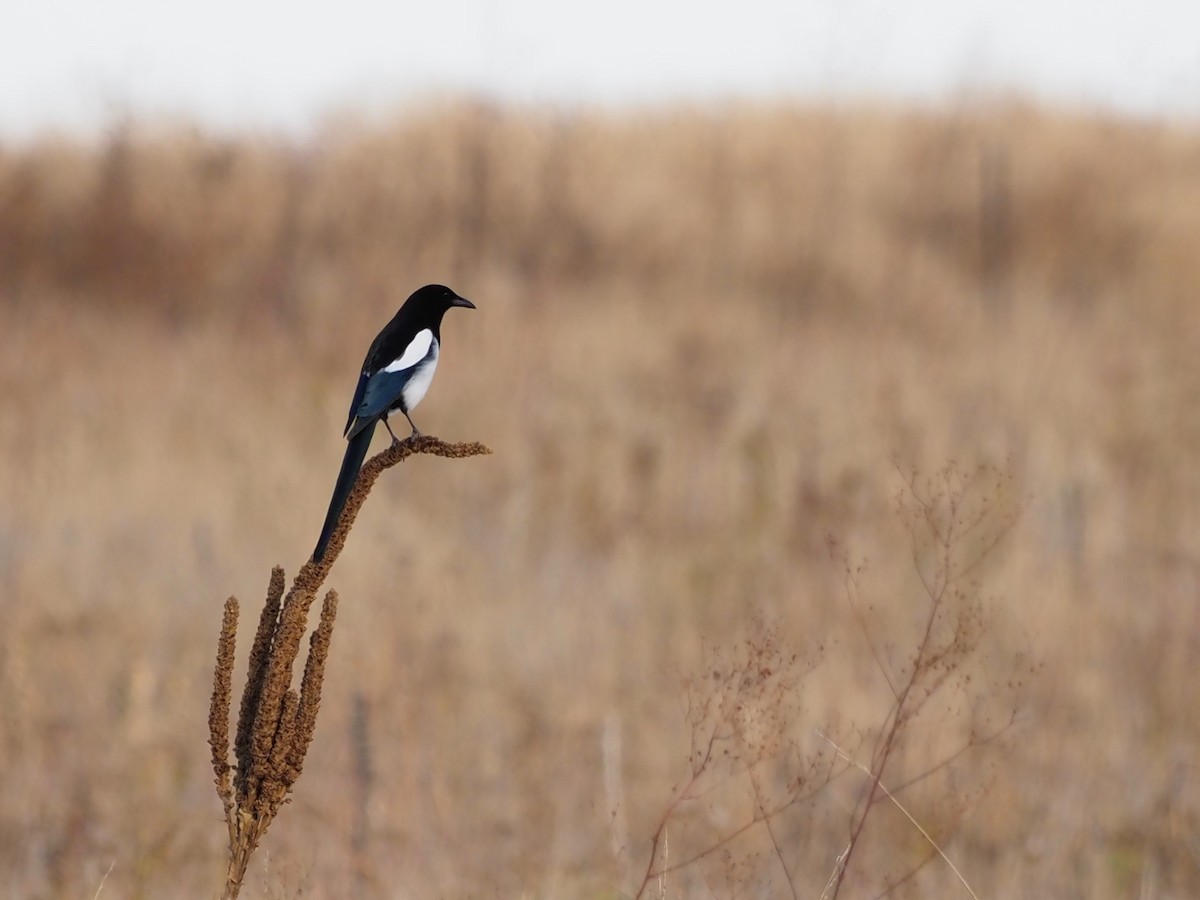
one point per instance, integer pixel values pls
(371, 470)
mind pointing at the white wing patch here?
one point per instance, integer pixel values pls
(418, 384)
(416, 351)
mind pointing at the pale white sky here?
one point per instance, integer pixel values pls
(78, 64)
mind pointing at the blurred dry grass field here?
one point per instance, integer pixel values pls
(706, 342)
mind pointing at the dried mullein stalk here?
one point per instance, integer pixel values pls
(275, 722)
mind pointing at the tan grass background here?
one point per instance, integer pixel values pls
(703, 337)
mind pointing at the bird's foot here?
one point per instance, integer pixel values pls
(396, 442)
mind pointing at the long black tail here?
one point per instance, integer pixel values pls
(356, 452)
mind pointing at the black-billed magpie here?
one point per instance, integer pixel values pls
(395, 376)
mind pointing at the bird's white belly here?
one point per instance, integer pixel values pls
(418, 385)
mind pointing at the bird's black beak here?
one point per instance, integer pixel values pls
(462, 301)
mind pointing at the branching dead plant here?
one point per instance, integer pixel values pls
(276, 722)
(743, 709)
(740, 711)
(955, 522)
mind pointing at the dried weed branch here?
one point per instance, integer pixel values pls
(956, 521)
(900, 806)
(752, 781)
(740, 712)
(276, 722)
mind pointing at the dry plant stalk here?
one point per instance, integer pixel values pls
(275, 722)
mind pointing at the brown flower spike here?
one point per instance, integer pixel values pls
(275, 722)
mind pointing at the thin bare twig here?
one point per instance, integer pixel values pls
(925, 834)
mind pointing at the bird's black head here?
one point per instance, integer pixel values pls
(423, 309)
(433, 300)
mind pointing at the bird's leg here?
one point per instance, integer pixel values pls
(415, 434)
(395, 440)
